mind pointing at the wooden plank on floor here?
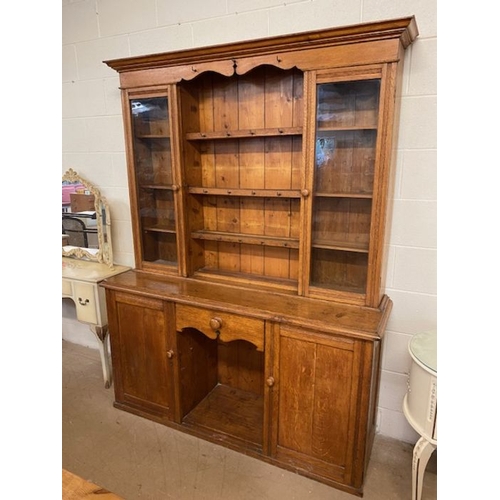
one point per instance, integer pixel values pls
(76, 488)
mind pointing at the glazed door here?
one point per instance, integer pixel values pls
(154, 192)
(142, 353)
(318, 408)
(345, 182)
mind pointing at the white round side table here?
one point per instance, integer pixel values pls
(420, 403)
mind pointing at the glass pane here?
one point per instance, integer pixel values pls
(157, 210)
(154, 176)
(346, 137)
(344, 271)
(348, 104)
(152, 151)
(150, 116)
(341, 222)
(160, 248)
(345, 162)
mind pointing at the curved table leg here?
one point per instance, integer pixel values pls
(101, 333)
(421, 454)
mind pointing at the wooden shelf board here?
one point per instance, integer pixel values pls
(345, 246)
(152, 136)
(339, 128)
(158, 229)
(243, 133)
(232, 412)
(367, 196)
(157, 187)
(256, 193)
(323, 290)
(285, 285)
(250, 239)
(162, 262)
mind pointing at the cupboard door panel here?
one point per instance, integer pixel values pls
(325, 444)
(139, 342)
(317, 400)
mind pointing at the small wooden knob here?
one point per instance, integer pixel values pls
(305, 193)
(215, 324)
(270, 381)
(170, 354)
(175, 188)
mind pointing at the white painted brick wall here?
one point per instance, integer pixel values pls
(93, 141)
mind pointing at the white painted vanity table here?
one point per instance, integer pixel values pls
(84, 268)
(420, 404)
(80, 282)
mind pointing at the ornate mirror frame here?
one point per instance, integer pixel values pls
(103, 220)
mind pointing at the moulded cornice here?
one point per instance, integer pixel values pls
(405, 29)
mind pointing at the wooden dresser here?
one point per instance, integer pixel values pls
(260, 180)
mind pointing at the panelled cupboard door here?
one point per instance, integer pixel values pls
(141, 353)
(318, 407)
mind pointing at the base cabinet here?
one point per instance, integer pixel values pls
(300, 398)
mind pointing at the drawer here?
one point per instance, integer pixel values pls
(84, 299)
(66, 288)
(223, 325)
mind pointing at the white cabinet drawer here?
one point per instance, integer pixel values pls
(84, 297)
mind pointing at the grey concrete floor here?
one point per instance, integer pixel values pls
(139, 459)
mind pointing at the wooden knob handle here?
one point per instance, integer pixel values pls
(170, 354)
(215, 324)
(175, 187)
(305, 193)
(270, 381)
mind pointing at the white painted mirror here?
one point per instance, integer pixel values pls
(86, 223)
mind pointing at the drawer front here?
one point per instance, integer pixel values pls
(66, 289)
(223, 325)
(84, 298)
